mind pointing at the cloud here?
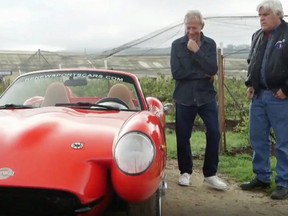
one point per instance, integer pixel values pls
(95, 24)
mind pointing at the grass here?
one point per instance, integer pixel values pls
(234, 142)
(235, 162)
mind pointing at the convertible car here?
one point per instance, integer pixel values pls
(81, 142)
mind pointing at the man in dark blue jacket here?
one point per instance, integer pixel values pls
(193, 65)
(267, 88)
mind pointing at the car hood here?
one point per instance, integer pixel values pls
(50, 123)
(50, 144)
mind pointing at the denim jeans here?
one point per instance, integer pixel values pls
(185, 116)
(267, 112)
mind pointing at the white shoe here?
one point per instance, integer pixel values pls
(184, 179)
(215, 182)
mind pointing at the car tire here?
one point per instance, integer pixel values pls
(150, 207)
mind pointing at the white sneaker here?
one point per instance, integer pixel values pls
(184, 179)
(215, 182)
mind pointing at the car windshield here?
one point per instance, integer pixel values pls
(72, 88)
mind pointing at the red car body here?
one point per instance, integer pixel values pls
(81, 156)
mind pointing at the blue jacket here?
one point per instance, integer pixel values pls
(192, 72)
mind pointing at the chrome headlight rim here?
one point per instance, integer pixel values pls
(119, 142)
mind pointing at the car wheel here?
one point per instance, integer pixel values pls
(151, 207)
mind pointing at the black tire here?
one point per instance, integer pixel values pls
(150, 207)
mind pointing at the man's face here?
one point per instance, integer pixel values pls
(268, 20)
(193, 29)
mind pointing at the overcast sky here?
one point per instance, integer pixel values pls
(89, 24)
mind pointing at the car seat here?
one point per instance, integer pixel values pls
(55, 93)
(122, 92)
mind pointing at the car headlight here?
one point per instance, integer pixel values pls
(134, 153)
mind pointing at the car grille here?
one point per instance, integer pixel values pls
(36, 202)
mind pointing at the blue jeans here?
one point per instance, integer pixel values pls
(185, 117)
(267, 112)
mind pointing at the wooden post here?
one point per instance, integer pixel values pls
(221, 114)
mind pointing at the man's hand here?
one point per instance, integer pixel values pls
(280, 95)
(250, 92)
(192, 46)
(210, 77)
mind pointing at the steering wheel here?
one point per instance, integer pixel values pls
(111, 101)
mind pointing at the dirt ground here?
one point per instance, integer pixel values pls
(200, 200)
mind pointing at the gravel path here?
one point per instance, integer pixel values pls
(198, 199)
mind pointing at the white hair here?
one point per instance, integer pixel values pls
(192, 14)
(274, 5)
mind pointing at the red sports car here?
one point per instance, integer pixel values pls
(81, 142)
